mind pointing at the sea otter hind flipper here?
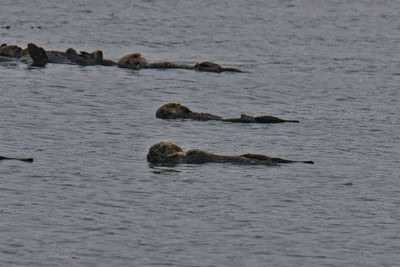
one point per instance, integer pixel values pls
(271, 119)
(256, 156)
(213, 67)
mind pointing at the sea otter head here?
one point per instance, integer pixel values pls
(173, 111)
(11, 51)
(71, 52)
(164, 152)
(98, 54)
(132, 61)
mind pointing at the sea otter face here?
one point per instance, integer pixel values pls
(163, 152)
(172, 111)
(11, 51)
(133, 61)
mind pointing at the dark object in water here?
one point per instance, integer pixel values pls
(38, 55)
(41, 57)
(178, 111)
(12, 51)
(136, 61)
(21, 159)
(169, 153)
(213, 67)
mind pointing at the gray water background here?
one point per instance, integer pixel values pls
(91, 199)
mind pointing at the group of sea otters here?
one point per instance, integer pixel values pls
(162, 152)
(38, 57)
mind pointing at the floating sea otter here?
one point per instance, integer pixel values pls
(11, 51)
(41, 57)
(169, 153)
(37, 56)
(31, 55)
(177, 111)
(70, 56)
(88, 59)
(136, 61)
(21, 159)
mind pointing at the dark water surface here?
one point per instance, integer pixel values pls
(91, 199)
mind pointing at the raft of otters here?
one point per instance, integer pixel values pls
(169, 153)
(178, 111)
(40, 57)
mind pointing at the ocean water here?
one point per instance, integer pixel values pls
(91, 199)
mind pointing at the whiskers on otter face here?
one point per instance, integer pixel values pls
(163, 152)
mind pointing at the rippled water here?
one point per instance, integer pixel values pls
(91, 199)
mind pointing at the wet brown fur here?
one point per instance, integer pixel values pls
(213, 67)
(70, 56)
(133, 61)
(136, 61)
(13, 51)
(177, 111)
(169, 153)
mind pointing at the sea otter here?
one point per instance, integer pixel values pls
(178, 111)
(12, 51)
(70, 56)
(37, 56)
(21, 159)
(133, 61)
(169, 153)
(89, 59)
(30, 55)
(137, 61)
